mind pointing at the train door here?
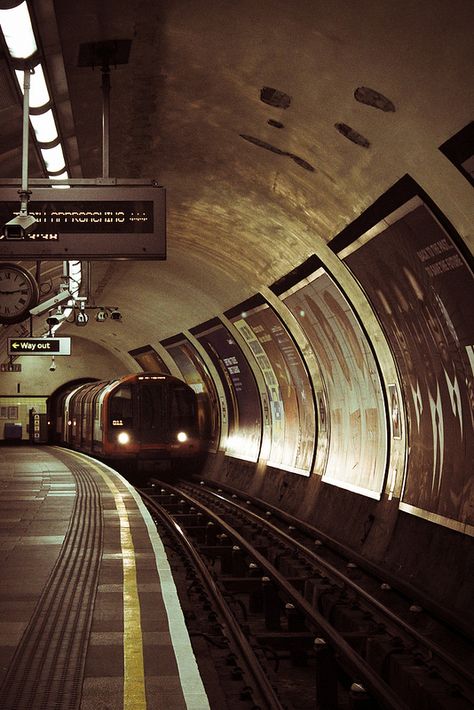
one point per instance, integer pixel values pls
(121, 413)
(183, 415)
(153, 408)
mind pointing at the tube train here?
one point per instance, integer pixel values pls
(135, 417)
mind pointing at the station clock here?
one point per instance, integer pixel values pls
(18, 293)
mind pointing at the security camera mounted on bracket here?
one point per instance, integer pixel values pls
(20, 226)
(51, 302)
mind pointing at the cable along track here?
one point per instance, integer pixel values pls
(315, 615)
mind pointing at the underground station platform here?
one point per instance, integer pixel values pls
(89, 613)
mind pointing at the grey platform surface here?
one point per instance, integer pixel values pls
(89, 616)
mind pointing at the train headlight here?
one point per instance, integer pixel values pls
(123, 438)
(182, 437)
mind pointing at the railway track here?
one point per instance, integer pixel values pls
(301, 625)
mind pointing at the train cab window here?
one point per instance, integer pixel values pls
(121, 407)
(182, 408)
(153, 407)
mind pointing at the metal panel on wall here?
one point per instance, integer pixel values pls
(423, 292)
(243, 399)
(149, 360)
(290, 395)
(196, 375)
(355, 407)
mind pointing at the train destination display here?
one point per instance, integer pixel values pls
(112, 222)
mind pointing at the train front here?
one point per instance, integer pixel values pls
(152, 417)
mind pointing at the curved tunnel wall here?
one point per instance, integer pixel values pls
(348, 421)
(384, 415)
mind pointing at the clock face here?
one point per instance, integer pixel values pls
(18, 293)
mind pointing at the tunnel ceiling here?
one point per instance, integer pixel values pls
(271, 124)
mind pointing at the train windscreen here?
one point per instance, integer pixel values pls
(153, 408)
(166, 410)
(182, 409)
(121, 407)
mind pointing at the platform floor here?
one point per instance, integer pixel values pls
(89, 614)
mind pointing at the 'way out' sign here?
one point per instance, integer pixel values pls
(39, 346)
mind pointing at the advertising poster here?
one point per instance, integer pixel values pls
(292, 413)
(195, 374)
(423, 292)
(149, 360)
(243, 399)
(355, 408)
(459, 149)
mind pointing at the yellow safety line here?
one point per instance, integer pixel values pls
(134, 696)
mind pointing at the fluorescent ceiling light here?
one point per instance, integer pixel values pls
(53, 158)
(44, 126)
(18, 31)
(39, 95)
(63, 176)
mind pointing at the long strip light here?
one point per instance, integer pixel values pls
(20, 39)
(18, 31)
(39, 95)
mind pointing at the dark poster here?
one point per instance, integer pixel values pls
(423, 293)
(289, 390)
(195, 373)
(357, 455)
(149, 360)
(243, 399)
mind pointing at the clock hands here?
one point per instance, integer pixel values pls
(18, 290)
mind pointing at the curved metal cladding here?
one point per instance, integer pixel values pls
(422, 289)
(197, 376)
(290, 395)
(242, 396)
(356, 413)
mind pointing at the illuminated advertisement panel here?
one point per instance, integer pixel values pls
(357, 455)
(196, 375)
(423, 292)
(289, 391)
(148, 359)
(243, 400)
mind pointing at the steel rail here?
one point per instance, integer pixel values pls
(346, 656)
(348, 582)
(365, 564)
(265, 689)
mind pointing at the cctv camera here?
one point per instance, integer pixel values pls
(116, 315)
(101, 315)
(46, 305)
(19, 227)
(82, 318)
(52, 367)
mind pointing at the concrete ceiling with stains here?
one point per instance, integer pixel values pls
(253, 188)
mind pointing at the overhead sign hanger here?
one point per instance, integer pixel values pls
(101, 218)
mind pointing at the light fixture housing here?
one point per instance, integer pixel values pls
(18, 31)
(44, 126)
